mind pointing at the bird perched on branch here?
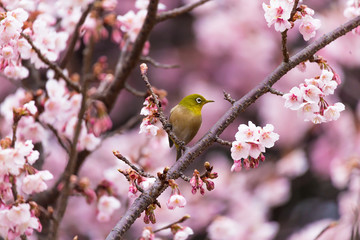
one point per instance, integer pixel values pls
(185, 119)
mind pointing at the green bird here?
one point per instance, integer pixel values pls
(185, 119)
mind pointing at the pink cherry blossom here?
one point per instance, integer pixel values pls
(30, 106)
(333, 112)
(311, 93)
(36, 183)
(183, 233)
(239, 150)
(293, 99)
(268, 137)
(278, 13)
(106, 207)
(176, 200)
(309, 26)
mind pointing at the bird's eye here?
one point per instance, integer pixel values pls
(198, 100)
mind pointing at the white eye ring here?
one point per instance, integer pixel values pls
(198, 100)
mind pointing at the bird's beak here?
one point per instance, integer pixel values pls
(207, 101)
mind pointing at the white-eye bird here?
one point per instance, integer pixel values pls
(185, 119)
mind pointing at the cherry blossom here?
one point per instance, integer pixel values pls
(183, 233)
(106, 207)
(309, 26)
(251, 141)
(35, 183)
(278, 13)
(308, 99)
(176, 200)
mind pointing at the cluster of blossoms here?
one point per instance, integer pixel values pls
(250, 143)
(19, 180)
(179, 232)
(279, 13)
(131, 22)
(353, 10)
(308, 98)
(18, 220)
(60, 111)
(14, 47)
(197, 181)
(150, 110)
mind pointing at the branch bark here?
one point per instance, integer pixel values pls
(141, 203)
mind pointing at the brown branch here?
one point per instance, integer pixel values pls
(75, 36)
(148, 59)
(125, 68)
(284, 34)
(223, 142)
(51, 65)
(141, 172)
(135, 92)
(71, 166)
(228, 98)
(181, 220)
(142, 202)
(275, 92)
(178, 11)
(162, 118)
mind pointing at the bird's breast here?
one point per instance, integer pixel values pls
(185, 123)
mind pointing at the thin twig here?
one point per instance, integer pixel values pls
(178, 11)
(162, 118)
(71, 166)
(51, 65)
(75, 36)
(59, 139)
(185, 178)
(228, 98)
(153, 62)
(181, 220)
(141, 172)
(223, 142)
(276, 92)
(142, 202)
(284, 34)
(331, 225)
(135, 92)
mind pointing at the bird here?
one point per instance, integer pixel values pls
(185, 119)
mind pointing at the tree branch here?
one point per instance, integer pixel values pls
(75, 36)
(142, 202)
(284, 34)
(71, 166)
(130, 61)
(51, 65)
(178, 11)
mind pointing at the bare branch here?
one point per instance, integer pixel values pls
(284, 34)
(75, 36)
(131, 59)
(181, 220)
(71, 165)
(142, 202)
(51, 65)
(223, 142)
(162, 118)
(135, 92)
(228, 98)
(148, 59)
(125, 160)
(178, 11)
(276, 92)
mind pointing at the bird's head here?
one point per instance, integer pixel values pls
(194, 102)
